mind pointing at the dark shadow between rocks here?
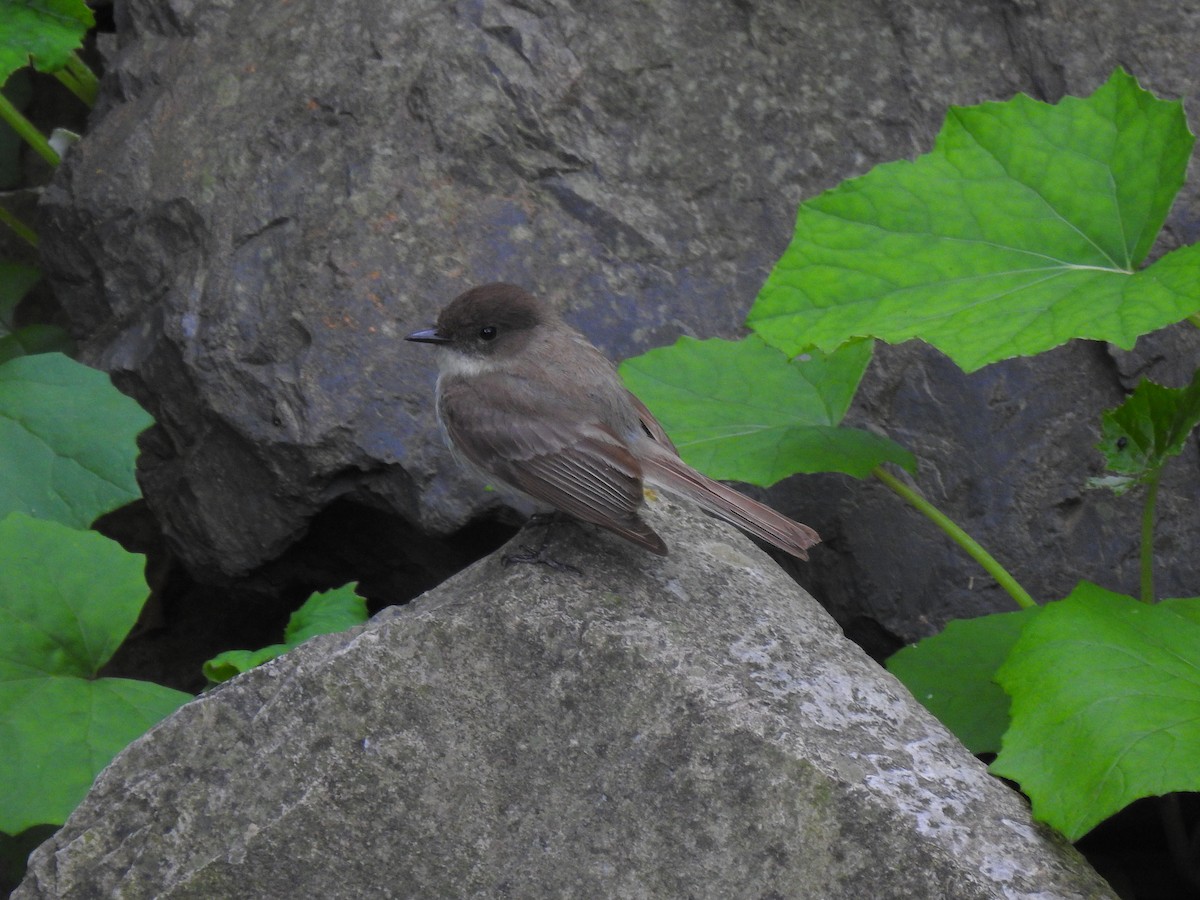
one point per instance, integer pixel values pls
(187, 620)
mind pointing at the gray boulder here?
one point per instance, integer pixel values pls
(689, 726)
(270, 195)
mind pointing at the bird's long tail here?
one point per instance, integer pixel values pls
(674, 476)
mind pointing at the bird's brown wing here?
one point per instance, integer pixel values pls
(651, 425)
(560, 456)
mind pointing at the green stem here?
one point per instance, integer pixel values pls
(23, 231)
(960, 537)
(1147, 555)
(79, 79)
(23, 127)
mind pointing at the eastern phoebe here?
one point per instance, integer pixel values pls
(528, 402)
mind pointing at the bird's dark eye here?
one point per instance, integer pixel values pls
(487, 332)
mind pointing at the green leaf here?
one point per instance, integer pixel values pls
(1150, 426)
(953, 675)
(226, 665)
(1022, 229)
(322, 613)
(46, 31)
(1105, 706)
(326, 612)
(742, 411)
(67, 600)
(67, 440)
(59, 733)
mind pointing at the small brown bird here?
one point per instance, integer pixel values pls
(530, 403)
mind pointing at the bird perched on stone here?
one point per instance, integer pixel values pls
(533, 406)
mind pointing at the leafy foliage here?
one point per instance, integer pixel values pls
(953, 675)
(1028, 225)
(67, 600)
(743, 411)
(67, 447)
(1143, 432)
(68, 596)
(1022, 229)
(1105, 689)
(46, 32)
(322, 613)
(1105, 705)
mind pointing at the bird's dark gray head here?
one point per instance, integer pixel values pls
(487, 320)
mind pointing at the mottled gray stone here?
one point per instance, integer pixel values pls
(689, 726)
(270, 195)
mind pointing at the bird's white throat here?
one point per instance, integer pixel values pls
(455, 363)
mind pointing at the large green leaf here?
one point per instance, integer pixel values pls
(67, 440)
(322, 613)
(67, 600)
(1022, 229)
(58, 733)
(48, 31)
(1105, 706)
(743, 411)
(953, 674)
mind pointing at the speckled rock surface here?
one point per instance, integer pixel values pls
(689, 726)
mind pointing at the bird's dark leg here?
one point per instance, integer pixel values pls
(538, 557)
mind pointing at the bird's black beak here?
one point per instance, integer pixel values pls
(428, 336)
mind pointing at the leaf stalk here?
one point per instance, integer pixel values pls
(22, 230)
(79, 79)
(23, 127)
(959, 536)
(1147, 551)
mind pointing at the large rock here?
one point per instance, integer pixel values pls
(271, 194)
(694, 726)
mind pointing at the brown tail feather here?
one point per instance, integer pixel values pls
(674, 476)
